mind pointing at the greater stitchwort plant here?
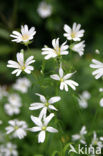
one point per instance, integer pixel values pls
(42, 108)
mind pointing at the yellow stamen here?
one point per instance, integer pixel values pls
(25, 37)
(23, 68)
(47, 104)
(43, 128)
(61, 80)
(73, 35)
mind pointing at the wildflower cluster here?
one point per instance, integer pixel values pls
(46, 106)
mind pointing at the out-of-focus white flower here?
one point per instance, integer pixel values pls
(13, 107)
(2, 137)
(101, 102)
(65, 80)
(44, 9)
(14, 99)
(45, 104)
(1, 122)
(3, 92)
(82, 100)
(86, 95)
(97, 51)
(57, 50)
(100, 89)
(42, 126)
(10, 149)
(96, 141)
(99, 68)
(73, 33)
(17, 128)
(25, 36)
(2, 150)
(80, 136)
(79, 48)
(21, 65)
(22, 84)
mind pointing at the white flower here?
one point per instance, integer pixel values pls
(64, 82)
(42, 126)
(44, 104)
(25, 36)
(79, 48)
(3, 92)
(80, 136)
(86, 95)
(96, 141)
(73, 33)
(2, 137)
(2, 150)
(97, 51)
(14, 99)
(13, 107)
(44, 9)
(100, 89)
(99, 68)
(101, 102)
(10, 149)
(21, 65)
(57, 50)
(18, 128)
(1, 122)
(22, 84)
(82, 100)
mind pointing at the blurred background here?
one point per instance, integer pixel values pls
(89, 13)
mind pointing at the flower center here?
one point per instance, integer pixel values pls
(57, 50)
(73, 35)
(43, 128)
(47, 104)
(25, 37)
(95, 142)
(16, 127)
(23, 68)
(61, 79)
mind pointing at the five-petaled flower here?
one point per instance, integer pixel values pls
(80, 136)
(44, 9)
(45, 104)
(21, 65)
(57, 50)
(42, 126)
(73, 33)
(64, 82)
(25, 36)
(17, 128)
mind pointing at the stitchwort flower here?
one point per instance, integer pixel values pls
(25, 36)
(21, 65)
(65, 80)
(57, 50)
(44, 10)
(42, 126)
(17, 128)
(44, 104)
(73, 33)
(99, 68)
(80, 136)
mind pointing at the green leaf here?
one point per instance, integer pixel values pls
(55, 153)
